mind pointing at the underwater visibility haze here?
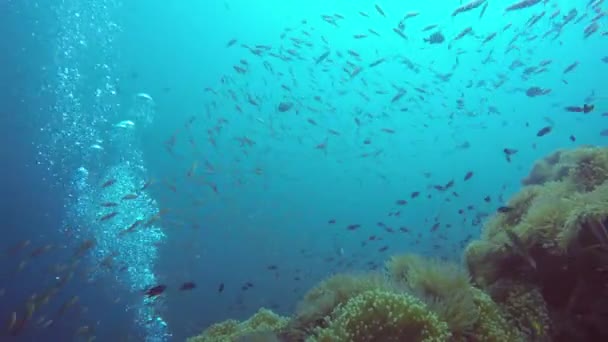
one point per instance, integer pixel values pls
(239, 170)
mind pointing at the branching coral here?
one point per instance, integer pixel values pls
(378, 315)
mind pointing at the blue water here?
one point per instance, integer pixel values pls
(71, 70)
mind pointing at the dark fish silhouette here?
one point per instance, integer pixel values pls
(155, 291)
(435, 38)
(544, 131)
(285, 106)
(187, 286)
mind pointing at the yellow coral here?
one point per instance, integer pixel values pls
(219, 332)
(492, 325)
(589, 167)
(585, 208)
(445, 287)
(546, 215)
(541, 172)
(262, 322)
(519, 205)
(321, 300)
(526, 308)
(378, 315)
(478, 258)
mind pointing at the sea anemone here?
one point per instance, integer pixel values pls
(386, 316)
(262, 323)
(445, 287)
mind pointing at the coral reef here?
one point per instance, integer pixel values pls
(262, 326)
(538, 272)
(551, 250)
(378, 315)
(445, 287)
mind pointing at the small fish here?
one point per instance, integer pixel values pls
(356, 72)
(377, 62)
(572, 138)
(522, 4)
(66, 305)
(535, 91)
(544, 131)
(332, 221)
(128, 124)
(146, 184)
(586, 109)
(468, 6)
(285, 106)
(108, 183)
(41, 250)
(353, 226)
(155, 291)
(401, 202)
(504, 209)
(322, 57)
(187, 286)
(435, 38)
(483, 10)
(398, 96)
(468, 175)
(380, 10)
(414, 194)
(463, 33)
(108, 216)
(220, 288)
(129, 197)
(109, 204)
(570, 68)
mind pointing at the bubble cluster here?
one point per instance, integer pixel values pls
(80, 147)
